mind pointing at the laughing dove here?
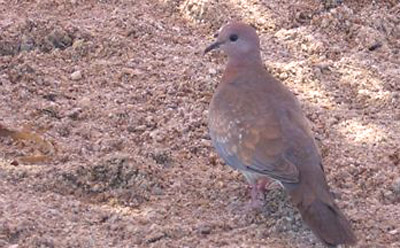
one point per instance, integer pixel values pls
(257, 127)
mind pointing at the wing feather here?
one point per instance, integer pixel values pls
(250, 140)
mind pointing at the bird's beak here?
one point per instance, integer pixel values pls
(212, 46)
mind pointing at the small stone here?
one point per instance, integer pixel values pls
(205, 229)
(161, 158)
(85, 101)
(388, 194)
(157, 191)
(15, 163)
(212, 71)
(206, 143)
(79, 43)
(283, 75)
(141, 128)
(157, 136)
(74, 113)
(329, 4)
(131, 129)
(96, 188)
(154, 237)
(76, 75)
(323, 67)
(374, 46)
(212, 158)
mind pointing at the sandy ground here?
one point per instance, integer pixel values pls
(103, 121)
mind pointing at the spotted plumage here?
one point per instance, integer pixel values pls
(257, 126)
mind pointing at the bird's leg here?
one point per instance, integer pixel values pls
(255, 202)
(258, 190)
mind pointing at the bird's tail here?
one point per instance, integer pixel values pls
(327, 222)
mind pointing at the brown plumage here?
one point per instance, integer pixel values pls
(257, 126)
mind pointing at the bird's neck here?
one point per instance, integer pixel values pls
(237, 66)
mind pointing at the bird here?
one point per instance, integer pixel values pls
(257, 126)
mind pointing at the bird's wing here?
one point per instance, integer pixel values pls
(250, 139)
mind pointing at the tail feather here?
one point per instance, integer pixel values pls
(328, 223)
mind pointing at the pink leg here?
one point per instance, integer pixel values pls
(257, 192)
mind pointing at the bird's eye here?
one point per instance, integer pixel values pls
(233, 37)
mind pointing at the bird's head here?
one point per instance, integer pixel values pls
(238, 40)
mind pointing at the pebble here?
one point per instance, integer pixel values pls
(212, 71)
(157, 136)
(205, 229)
(74, 113)
(157, 191)
(206, 143)
(154, 237)
(140, 128)
(79, 43)
(76, 75)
